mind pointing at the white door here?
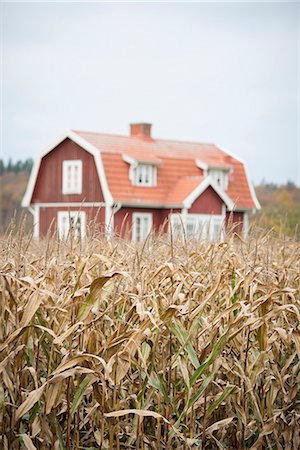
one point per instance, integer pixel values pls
(71, 222)
(141, 226)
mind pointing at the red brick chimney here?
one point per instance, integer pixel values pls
(141, 130)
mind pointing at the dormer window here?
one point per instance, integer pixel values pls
(144, 175)
(220, 177)
(142, 170)
(72, 176)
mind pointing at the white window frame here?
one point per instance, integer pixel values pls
(64, 219)
(246, 225)
(144, 175)
(144, 232)
(72, 176)
(220, 177)
(201, 226)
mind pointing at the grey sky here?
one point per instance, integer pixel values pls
(226, 73)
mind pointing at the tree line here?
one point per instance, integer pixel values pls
(16, 167)
(280, 208)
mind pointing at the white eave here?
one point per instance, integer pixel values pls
(201, 165)
(135, 161)
(208, 181)
(86, 146)
(251, 187)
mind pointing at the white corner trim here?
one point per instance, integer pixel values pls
(116, 207)
(224, 211)
(184, 212)
(36, 222)
(251, 188)
(189, 200)
(110, 212)
(245, 225)
(31, 183)
(109, 220)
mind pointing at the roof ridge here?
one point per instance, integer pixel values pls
(149, 140)
(102, 134)
(188, 142)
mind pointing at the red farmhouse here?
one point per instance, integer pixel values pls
(137, 184)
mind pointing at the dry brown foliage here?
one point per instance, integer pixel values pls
(170, 344)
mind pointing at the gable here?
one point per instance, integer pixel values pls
(48, 185)
(208, 202)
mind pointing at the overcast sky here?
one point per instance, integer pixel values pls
(221, 72)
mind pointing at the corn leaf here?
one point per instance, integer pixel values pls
(219, 400)
(183, 338)
(217, 348)
(80, 392)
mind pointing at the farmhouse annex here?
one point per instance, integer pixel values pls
(135, 184)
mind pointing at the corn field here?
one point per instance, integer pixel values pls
(169, 344)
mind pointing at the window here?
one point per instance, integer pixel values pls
(190, 226)
(220, 177)
(71, 222)
(144, 175)
(177, 224)
(202, 226)
(72, 177)
(141, 226)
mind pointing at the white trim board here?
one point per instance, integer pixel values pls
(208, 181)
(250, 184)
(70, 205)
(36, 222)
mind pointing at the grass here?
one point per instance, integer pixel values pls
(165, 345)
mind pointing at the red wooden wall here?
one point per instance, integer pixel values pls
(235, 221)
(48, 186)
(207, 203)
(123, 219)
(48, 217)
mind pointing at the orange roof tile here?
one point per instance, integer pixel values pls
(176, 174)
(182, 188)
